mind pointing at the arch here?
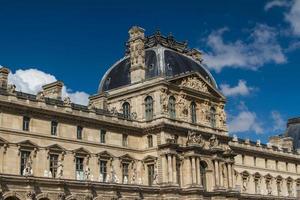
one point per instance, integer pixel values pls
(193, 112)
(71, 197)
(12, 195)
(42, 196)
(149, 108)
(126, 110)
(171, 107)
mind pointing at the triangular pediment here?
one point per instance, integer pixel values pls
(81, 151)
(149, 158)
(56, 147)
(126, 158)
(27, 144)
(195, 82)
(105, 154)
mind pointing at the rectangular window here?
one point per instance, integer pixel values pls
(53, 164)
(254, 161)
(125, 172)
(266, 163)
(150, 141)
(79, 132)
(276, 164)
(26, 122)
(102, 136)
(287, 166)
(125, 140)
(103, 170)
(24, 157)
(79, 168)
(54, 128)
(243, 159)
(150, 174)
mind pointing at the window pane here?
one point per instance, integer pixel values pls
(103, 170)
(125, 171)
(26, 121)
(171, 107)
(126, 110)
(79, 132)
(54, 128)
(53, 164)
(149, 108)
(150, 174)
(24, 157)
(102, 136)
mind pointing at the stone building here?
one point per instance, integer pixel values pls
(156, 129)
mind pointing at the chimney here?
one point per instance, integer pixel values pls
(3, 77)
(137, 54)
(53, 90)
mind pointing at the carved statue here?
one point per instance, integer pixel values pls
(28, 167)
(269, 187)
(60, 170)
(194, 83)
(204, 111)
(245, 184)
(67, 101)
(155, 175)
(213, 142)
(221, 115)
(87, 173)
(11, 88)
(40, 96)
(164, 100)
(182, 106)
(195, 138)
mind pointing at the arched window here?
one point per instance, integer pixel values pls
(203, 169)
(126, 110)
(193, 112)
(171, 107)
(149, 108)
(213, 117)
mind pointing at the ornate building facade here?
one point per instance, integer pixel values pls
(156, 129)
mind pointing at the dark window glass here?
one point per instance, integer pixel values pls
(53, 164)
(102, 136)
(125, 172)
(54, 128)
(79, 132)
(150, 140)
(103, 170)
(26, 122)
(193, 112)
(150, 174)
(203, 168)
(171, 107)
(79, 168)
(125, 140)
(149, 108)
(213, 117)
(24, 157)
(126, 110)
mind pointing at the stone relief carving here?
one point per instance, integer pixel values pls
(67, 101)
(60, 170)
(194, 83)
(87, 173)
(40, 96)
(213, 142)
(204, 109)
(221, 115)
(30, 195)
(182, 106)
(195, 139)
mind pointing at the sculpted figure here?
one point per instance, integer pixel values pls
(133, 178)
(195, 138)
(87, 173)
(213, 141)
(67, 101)
(40, 96)
(182, 106)
(28, 167)
(164, 100)
(60, 170)
(11, 88)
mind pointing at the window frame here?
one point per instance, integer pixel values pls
(172, 107)
(103, 169)
(150, 141)
(26, 123)
(24, 155)
(79, 132)
(149, 110)
(125, 140)
(53, 164)
(54, 126)
(126, 110)
(193, 112)
(102, 136)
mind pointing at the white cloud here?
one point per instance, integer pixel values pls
(260, 48)
(244, 121)
(276, 3)
(241, 89)
(278, 122)
(32, 80)
(293, 17)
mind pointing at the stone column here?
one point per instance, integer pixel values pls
(164, 169)
(221, 174)
(189, 171)
(174, 169)
(194, 180)
(233, 176)
(170, 173)
(198, 171)
(216, 173)
(229, 175)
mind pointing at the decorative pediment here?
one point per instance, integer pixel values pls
(27, 144)
(56, 148)
(126, 158)
(81, 151)
(105, 155)
(149, 158)
(195, 83)
(268, 177)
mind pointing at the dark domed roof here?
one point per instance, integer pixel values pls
(160, 61)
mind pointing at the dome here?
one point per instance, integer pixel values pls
(160, 60)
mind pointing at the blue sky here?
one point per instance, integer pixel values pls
(252, 48)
